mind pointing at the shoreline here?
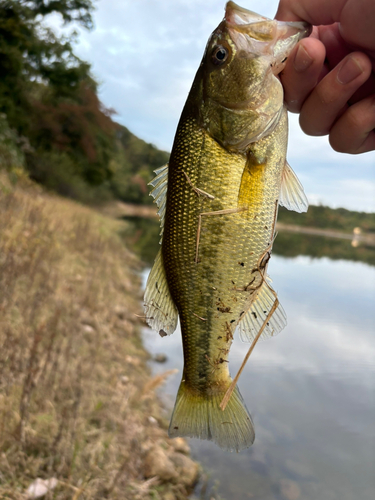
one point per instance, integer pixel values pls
(120, 209)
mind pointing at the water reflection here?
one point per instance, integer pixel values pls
(291, 245)
(143, 236)
(310, 390)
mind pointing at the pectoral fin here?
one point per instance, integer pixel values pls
(252, 321)
(292, 195)
(160, 310)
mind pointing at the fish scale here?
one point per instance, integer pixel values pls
(221, 252)
(218, 201)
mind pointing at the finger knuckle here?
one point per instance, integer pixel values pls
(338, 144)
(345, 135)
(311, 124)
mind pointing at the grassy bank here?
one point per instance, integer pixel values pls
(76, 399)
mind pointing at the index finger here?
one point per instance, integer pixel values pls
(356, 17)
(315, 12)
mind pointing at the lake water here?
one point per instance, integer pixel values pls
(311, 390)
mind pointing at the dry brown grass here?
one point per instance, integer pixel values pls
(72, 368)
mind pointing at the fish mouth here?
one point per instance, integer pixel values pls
(237, 16)
(259, 35)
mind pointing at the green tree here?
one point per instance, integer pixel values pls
(49, 95)
(70, 10)
(31, 53)
(49, 100)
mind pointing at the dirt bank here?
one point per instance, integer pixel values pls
(78, 409)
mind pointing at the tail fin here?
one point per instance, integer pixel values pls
(200, 416)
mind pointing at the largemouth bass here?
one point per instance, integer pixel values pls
(218, 201)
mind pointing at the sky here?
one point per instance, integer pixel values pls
(145, 54)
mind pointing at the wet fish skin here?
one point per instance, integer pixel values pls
(225, 177)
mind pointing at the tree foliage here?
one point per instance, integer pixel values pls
(70, 10)
(32, 55)
(48, 98)
(134, 167)
(323, 217)
(48, 93)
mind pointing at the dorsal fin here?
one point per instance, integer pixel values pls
(159, 193)
(292, 195)
(160, 310)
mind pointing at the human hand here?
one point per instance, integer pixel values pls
(329, 77)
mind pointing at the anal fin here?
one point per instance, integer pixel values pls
(253, 320)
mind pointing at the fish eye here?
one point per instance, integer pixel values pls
(219, 55)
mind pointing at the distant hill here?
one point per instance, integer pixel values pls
(134, 169)
(131, 163)
(329, 218)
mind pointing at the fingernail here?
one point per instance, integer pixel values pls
(349, 71)
(302, 59)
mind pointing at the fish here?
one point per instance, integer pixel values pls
(218, 199)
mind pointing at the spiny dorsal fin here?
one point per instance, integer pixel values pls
(252, 321)
(292, 195)
(159, 193)
(160, 310)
